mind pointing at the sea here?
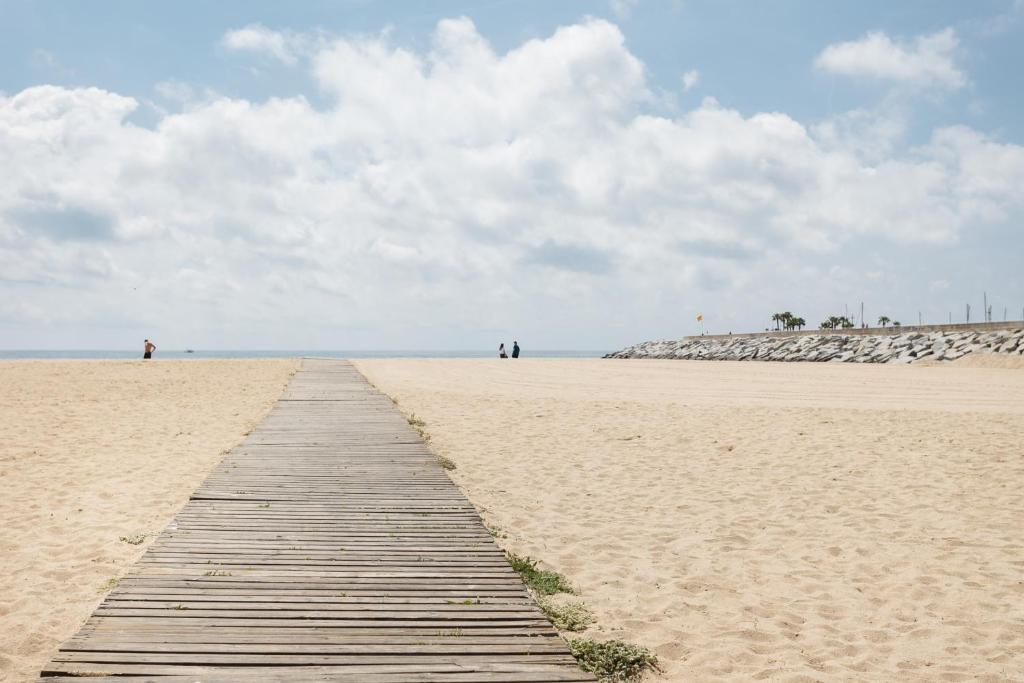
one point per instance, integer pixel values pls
(109, 354)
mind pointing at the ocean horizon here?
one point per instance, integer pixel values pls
(181, 354)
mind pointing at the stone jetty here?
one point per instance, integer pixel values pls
(836, 347)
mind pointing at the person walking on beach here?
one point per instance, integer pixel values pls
(149, 349)
(515, 349)
(501, 351)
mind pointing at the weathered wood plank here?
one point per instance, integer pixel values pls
(377, 674)
(329, 545)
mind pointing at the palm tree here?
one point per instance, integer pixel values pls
(883, 321)
(896, 323)
(832, 322)
(798, 323)
(777, 319)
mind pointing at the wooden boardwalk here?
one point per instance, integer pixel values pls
(329, 545)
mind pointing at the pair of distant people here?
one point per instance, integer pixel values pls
(515, 350)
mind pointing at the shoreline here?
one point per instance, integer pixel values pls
(287, 354)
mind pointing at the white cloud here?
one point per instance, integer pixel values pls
(1000, 22)
(284, 47)
(622, 8)
(928, 60)
(690, 79)
(175, 91)
(44, 59)
(871, 134)
(441, 194)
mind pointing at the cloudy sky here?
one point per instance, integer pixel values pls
(448, 175)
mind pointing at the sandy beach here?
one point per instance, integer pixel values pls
(95, 451)
(755, 521)
(746, 521)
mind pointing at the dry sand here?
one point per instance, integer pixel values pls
(92, 451)
(755, 521)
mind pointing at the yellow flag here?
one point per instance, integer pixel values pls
(699, 317)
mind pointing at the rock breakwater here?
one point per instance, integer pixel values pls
(909, 347)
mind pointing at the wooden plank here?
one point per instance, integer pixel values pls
(329, 545)
(390, 674)
(247, 648)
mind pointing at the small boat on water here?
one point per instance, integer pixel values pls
(189, 351)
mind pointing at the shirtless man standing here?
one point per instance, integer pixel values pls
(150, 348)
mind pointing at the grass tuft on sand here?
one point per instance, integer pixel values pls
(542, 581)
(612, 660)
(567, 616)
(134, 539)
